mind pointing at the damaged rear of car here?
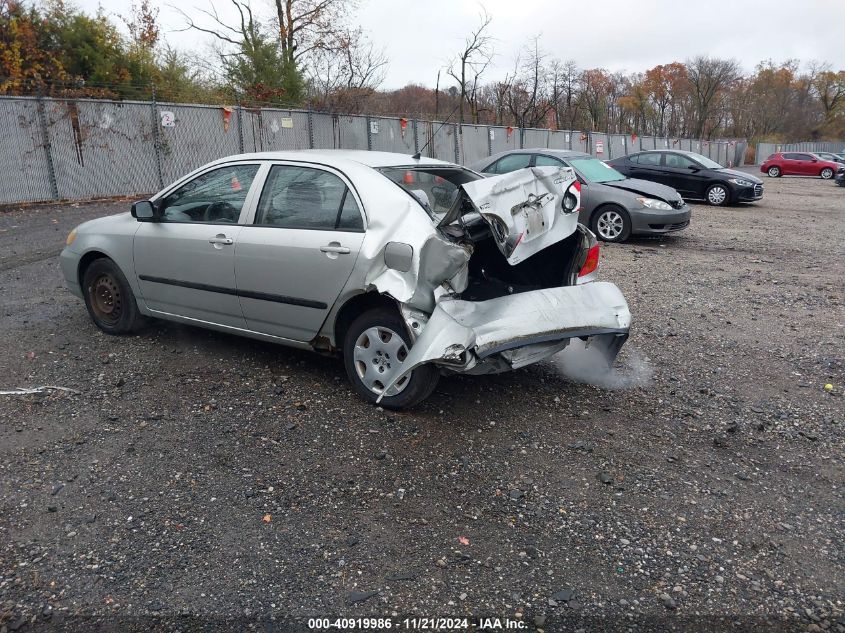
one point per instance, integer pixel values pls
(501, 278)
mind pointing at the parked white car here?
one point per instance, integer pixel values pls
(409, 267)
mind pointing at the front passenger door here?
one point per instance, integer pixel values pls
(185, 261)
(293, 259)
(683, 175)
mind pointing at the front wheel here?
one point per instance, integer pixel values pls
(827, 173)
(374, 350)
(109, 298)
(611, 224)
(773, 172)
(718, 195)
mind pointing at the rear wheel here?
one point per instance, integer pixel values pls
(611, 224)
(718, 195)
(109, 298)
(773, 172)
(827, 173)
(374, 350)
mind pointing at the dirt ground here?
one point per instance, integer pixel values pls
(195, 480)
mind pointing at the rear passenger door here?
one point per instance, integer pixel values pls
(296, 253)
(646, 167)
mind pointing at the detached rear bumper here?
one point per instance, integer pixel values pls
(518, 330)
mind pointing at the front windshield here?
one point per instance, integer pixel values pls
(595, 170)
(435, 188)
(705, 162)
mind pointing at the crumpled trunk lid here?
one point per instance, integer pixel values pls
(463, 334)
(525, 209)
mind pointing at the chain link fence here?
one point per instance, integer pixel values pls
(764, 150)
(74, 149)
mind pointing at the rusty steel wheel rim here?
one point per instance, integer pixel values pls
(106, 299)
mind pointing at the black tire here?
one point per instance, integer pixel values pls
(414, 389)
(718, 195)
(826, 173)
(606, 217)
(109, 298)
(773, 172)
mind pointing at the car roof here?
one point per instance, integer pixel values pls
(338, 157)
(560, 153)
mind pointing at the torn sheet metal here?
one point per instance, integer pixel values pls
(528, 203)
(464, 333)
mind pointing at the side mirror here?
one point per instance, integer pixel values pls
(693, 168)
(144, 211)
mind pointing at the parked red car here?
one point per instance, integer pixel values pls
(799, 164)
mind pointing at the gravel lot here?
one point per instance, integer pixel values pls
(195, 480)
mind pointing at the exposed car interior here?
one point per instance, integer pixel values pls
(438, 191)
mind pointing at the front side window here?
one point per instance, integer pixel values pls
(216, 196)
(547, 161)
(794, 156)
(307, 198)
(679, 161)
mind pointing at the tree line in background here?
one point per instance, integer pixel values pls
(310, 55)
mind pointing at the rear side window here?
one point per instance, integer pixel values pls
(306, 198)
(649, 159)
(510, 163)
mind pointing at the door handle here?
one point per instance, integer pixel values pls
(221, 239)
(332, 248)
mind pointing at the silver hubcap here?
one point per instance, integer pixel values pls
(827, 173)
(379, 355)
(717, 195)
(773, 172)
(610, 225)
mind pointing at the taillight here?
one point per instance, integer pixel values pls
(578, 186)
(591, 263)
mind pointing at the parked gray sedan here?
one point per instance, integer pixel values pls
(408, 267)
(612, 205)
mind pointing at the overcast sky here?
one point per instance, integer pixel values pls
(631, 35)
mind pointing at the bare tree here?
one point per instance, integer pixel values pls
(468, 66)
(345, 72)
(308, 25)
(708, 77)
(528, 100)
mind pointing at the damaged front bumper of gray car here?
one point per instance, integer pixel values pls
(427, 273)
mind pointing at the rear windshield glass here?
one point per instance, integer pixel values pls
(595, 170)
(435, 188)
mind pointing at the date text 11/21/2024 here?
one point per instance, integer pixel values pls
(417, 623)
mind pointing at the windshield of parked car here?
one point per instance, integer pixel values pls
(434, 188)
(595, 170)
(705, 162)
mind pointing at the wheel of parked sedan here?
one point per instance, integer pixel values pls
(773, 172)
(612, 224)
(718, 195)
(109, 298)
(827, 173)
(374, 350)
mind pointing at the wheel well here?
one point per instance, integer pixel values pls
(86, 260)
(355, 306)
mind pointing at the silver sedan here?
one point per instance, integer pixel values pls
(407, 267)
